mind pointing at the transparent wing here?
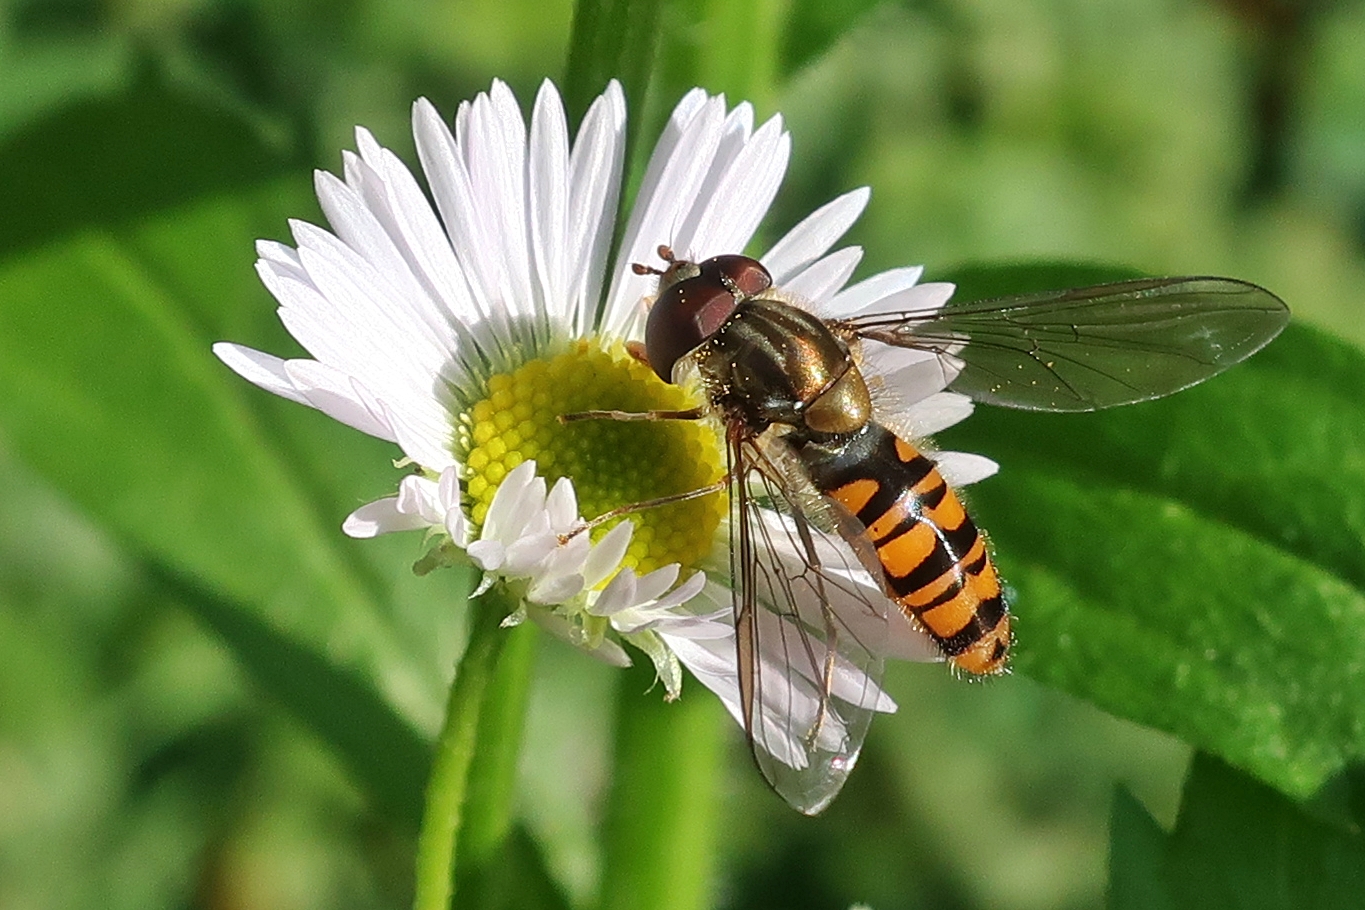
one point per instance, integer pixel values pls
(1088, 348)
(808, 620)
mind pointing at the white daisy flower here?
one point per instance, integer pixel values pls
(462, 331)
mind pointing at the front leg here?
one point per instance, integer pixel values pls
(644, 504)
(689, 414)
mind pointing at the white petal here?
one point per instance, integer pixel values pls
(708, 660)
(595, 169)
(421, 497)
(448, 487)
(852, 685)
(527, 552)
(450, 184)
(704, 627)
(909, 375)
(494, 150)
(713, 664)
(340, 397)
(685, 592)
(934, 414)
(448, 495)
(457, 526)
(906, 641)
(906, 370)
(605, 650)
(610, 652)
(555, 590)
(548, 189)
(398, 202)
(820, 280)
(652, 586)
(488, 555)
(606, 556)
(359, 228)
(362, 329)
(922, 298)
(282, 258)
(866, 295)
(259, 368)
(371, 270)
(850, 601)
(562, 506)
(565, 557)
(515, 496)
(962, 468)
(739, 197)
(380, 517)
(667, 194)
(618, 595)
(813, 237)
(428, 443)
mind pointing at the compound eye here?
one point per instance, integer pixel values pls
(683, 317)
(745, 274)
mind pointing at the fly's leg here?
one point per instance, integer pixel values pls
(831, 637)
(687, 414)
(641, 506)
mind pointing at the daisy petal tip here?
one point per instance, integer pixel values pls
(488, 555)
(424, 113)
(228, 351)
(359, 528)
(685, 591)
(963, 468)
(380, 517)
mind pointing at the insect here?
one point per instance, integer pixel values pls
(842, 532)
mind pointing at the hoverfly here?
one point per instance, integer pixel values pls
(843, 533)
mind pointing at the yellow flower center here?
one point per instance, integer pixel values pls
(611, 463)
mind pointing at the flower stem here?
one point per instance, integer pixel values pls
(489, 803)
(661, 818)
(454, 754)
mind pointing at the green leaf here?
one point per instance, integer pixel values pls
(725, 46)
(611, 39)
(108, 389)
(1237, 844)
(719, 45)
(342, 710)
(141, 166)
(1136, 853)
(1197, 564)
(814, 26)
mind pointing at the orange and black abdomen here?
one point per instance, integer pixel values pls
(933, 559)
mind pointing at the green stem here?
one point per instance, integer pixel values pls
(480, 873)
(661, 818)
(454, 754)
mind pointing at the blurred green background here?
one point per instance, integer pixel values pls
(139, 765)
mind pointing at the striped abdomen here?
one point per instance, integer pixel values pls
(933, 559)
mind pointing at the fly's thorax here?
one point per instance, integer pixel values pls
(773, 363)
(845, 407)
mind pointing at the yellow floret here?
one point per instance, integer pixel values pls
(611, 463)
